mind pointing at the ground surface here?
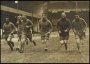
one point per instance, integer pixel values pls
(55, 53)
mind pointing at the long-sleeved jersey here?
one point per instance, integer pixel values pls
(24, 25)
(45, 26)
(28, 25)
(8, 28)
(79, 25)
(63, 24)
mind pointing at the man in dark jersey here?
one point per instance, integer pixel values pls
(79, 27)
(9, 28)
(45, 29)
(63, 26)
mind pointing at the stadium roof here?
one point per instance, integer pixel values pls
(37, 6)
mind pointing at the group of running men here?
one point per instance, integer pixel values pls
(24, 31)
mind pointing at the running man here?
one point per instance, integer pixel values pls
(26, 33)
(28, 25)
(63, 26)
(19, 30)
(79, 28)
(45, 29)
(8, 30)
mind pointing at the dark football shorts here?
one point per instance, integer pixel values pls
(29, 35)
(6, 35)
(64, 35)
(80, 34)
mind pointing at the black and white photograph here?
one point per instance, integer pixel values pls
(44, 31)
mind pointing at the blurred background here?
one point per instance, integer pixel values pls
(34, 9)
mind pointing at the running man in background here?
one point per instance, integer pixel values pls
(8, 30)
(79, 28)
(63, 26)
(45, 29)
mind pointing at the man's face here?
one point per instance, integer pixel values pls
(44, 16)
(63, 15)
(7, 20)
(77, 18)
(23, 17)
(19, 17)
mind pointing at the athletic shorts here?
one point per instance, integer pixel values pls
(6, 35)
(45, 37)
(80, 35)
(29, 35)
(64, 35)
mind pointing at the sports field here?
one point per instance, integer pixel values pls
(55, 53)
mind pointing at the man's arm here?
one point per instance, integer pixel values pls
(58, 24)
(72, 26)
(84, 24)
(58, 27)
(40, 24)
(3, 29)
(51, 27)
(3, 26)
(14, 28)
(69, 25)
(29, 24)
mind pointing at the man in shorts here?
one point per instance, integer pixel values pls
(19, 30)
(79, 28)
(63, 26)
(25, 33)
(8, 30)
(45, 29)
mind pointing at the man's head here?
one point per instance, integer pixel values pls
(7, 20)
(24, 17)
(63, 15)
(44, 16)
(77, 17)
(19, 17)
